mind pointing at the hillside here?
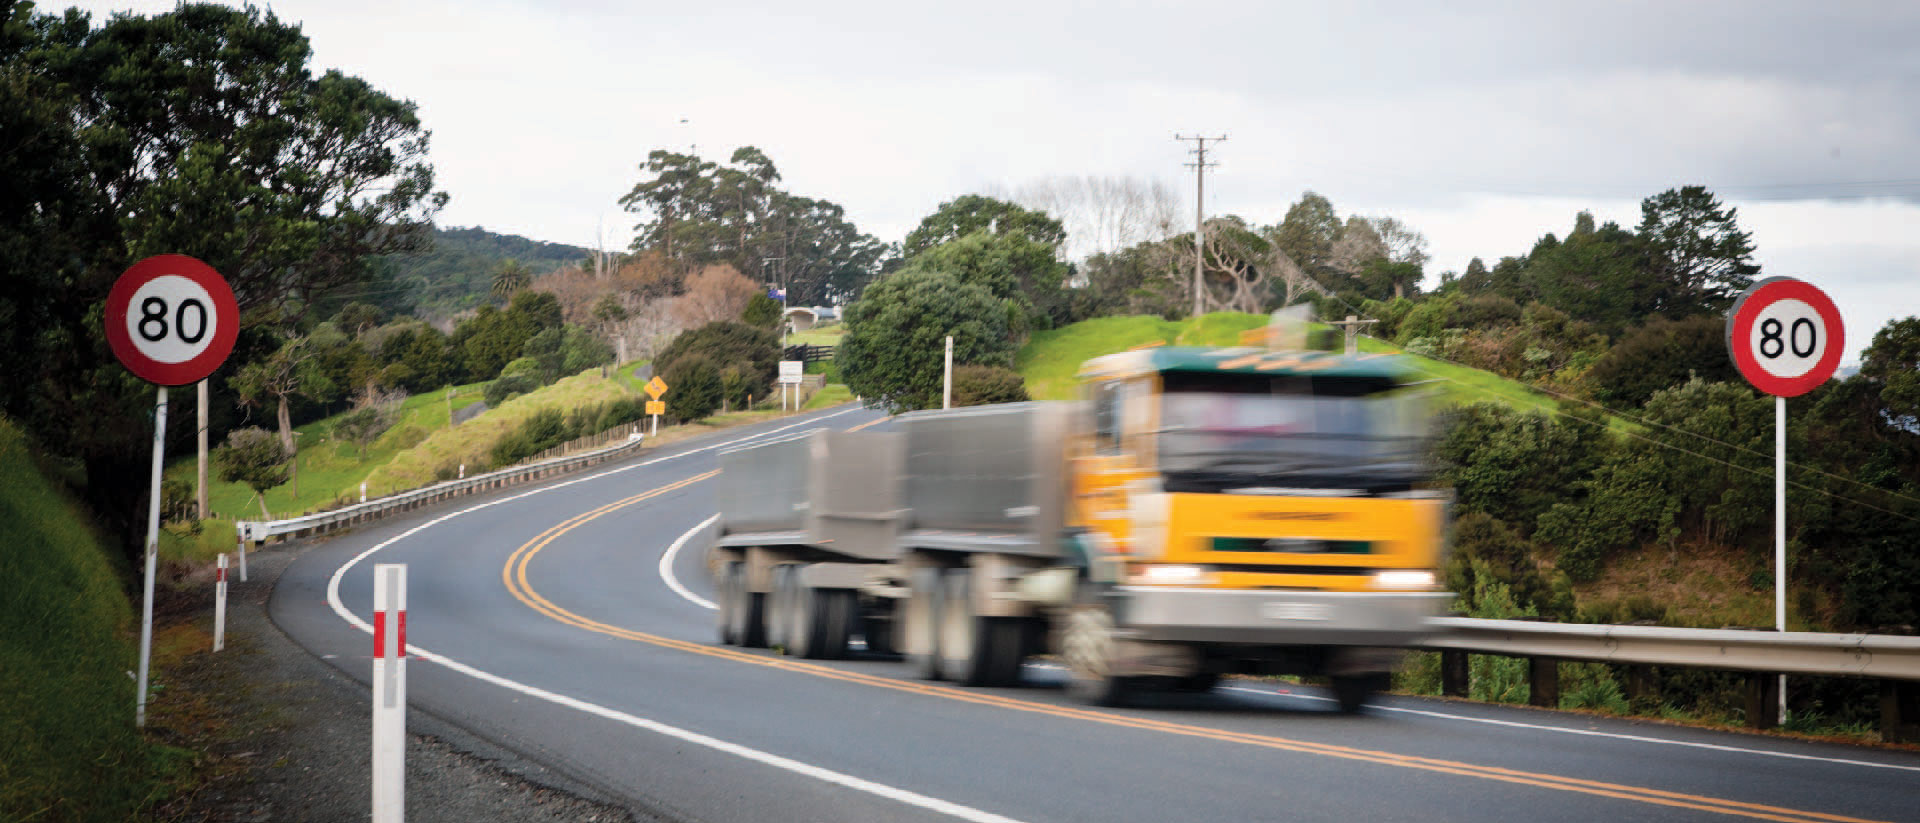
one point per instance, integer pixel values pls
(455, 274)
(71, 751)
(1051, 358)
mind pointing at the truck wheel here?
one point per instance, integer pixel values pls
(923, 617)
(729, 594)
(833, 618)
(958, 635)
(1089, 649)
(780, 611)
(1353, 692)
(803, 620)
(746, 622)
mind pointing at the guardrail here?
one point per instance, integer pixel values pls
(359, 513)
(1894, 660)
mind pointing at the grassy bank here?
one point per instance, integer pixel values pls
(66, 706)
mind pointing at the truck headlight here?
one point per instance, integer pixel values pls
(1404, 579)
(1169, 575)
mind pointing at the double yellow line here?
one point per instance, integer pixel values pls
(514, 575)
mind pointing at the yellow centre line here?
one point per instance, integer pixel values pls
(514, 575)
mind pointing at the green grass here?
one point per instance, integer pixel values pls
(832, 394)
(331, 469)
(818, 336)
(444, 449)
(1051, 359)
(71, 751)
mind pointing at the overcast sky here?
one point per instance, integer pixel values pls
(1482, 125)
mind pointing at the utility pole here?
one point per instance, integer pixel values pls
(1199, 166)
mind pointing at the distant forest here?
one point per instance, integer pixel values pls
(456, 274)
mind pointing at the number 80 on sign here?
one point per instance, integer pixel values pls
(171, 319)
(1785, 336)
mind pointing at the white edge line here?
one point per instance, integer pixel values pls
(1634, 738)
(666, 566)
(827, 775)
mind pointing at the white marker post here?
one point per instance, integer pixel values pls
(1785, 337)
(220, 604)
(363, 491)
(241, 549)
(389, 692)
(946, 378)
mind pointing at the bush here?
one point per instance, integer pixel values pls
(756, 352)
(506, 388)
(981, 385)
(544, 430)
(253, 457)
(762, 312)
(523, 367)
(892, 351)
(696, 388)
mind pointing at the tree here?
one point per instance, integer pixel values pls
(1697, 250)
(723, 344)
(1358, 247)
(1662, 354)
(1103, 215)
(976, 213)
(252, 459)
(762, 312)
(510, 278)
(696, 386)
(291, 371)
(1307, 234)
(715, 294)
(896, 335)
(1011, 266)
(1893, 362)
(204, 131)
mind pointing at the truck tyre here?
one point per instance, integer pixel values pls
(745, 614)
(976, 650)
(923, 618)
(1089, 649)
(1353, 692)
(780, 610)
(833, 622)
(729, 594)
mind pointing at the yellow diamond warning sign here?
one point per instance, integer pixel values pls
(656, 387)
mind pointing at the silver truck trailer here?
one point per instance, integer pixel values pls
(920, 540)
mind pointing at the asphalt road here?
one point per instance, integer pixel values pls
(540, 618)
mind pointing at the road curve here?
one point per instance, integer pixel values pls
(551, 620)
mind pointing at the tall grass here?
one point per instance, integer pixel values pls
(68, 748)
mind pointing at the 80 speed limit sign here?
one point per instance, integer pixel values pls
(171, 319)
(1785, 336)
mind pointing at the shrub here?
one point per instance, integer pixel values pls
(756, 352)
(696, 388)
(981, 385)
(544, 430)
(506, 388)
(253, 457)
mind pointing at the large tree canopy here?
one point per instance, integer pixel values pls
(896, 336)
(977, 213)
(698, 212)
(200, 131)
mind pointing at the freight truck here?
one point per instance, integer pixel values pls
(1200, 512)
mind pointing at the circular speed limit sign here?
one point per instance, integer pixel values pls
(1785, 336)
(171, 319)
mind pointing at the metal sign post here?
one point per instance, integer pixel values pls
(171, 320)
(1785, 337)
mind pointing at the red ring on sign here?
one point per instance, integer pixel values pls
(226, 320)
(1746, 311)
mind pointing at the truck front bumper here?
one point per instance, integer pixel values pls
(1275, 618)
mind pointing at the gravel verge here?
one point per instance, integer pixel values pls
(282, 736)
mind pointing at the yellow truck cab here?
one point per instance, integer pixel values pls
(1247, 511)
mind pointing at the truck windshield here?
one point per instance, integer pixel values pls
(1318, 432)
